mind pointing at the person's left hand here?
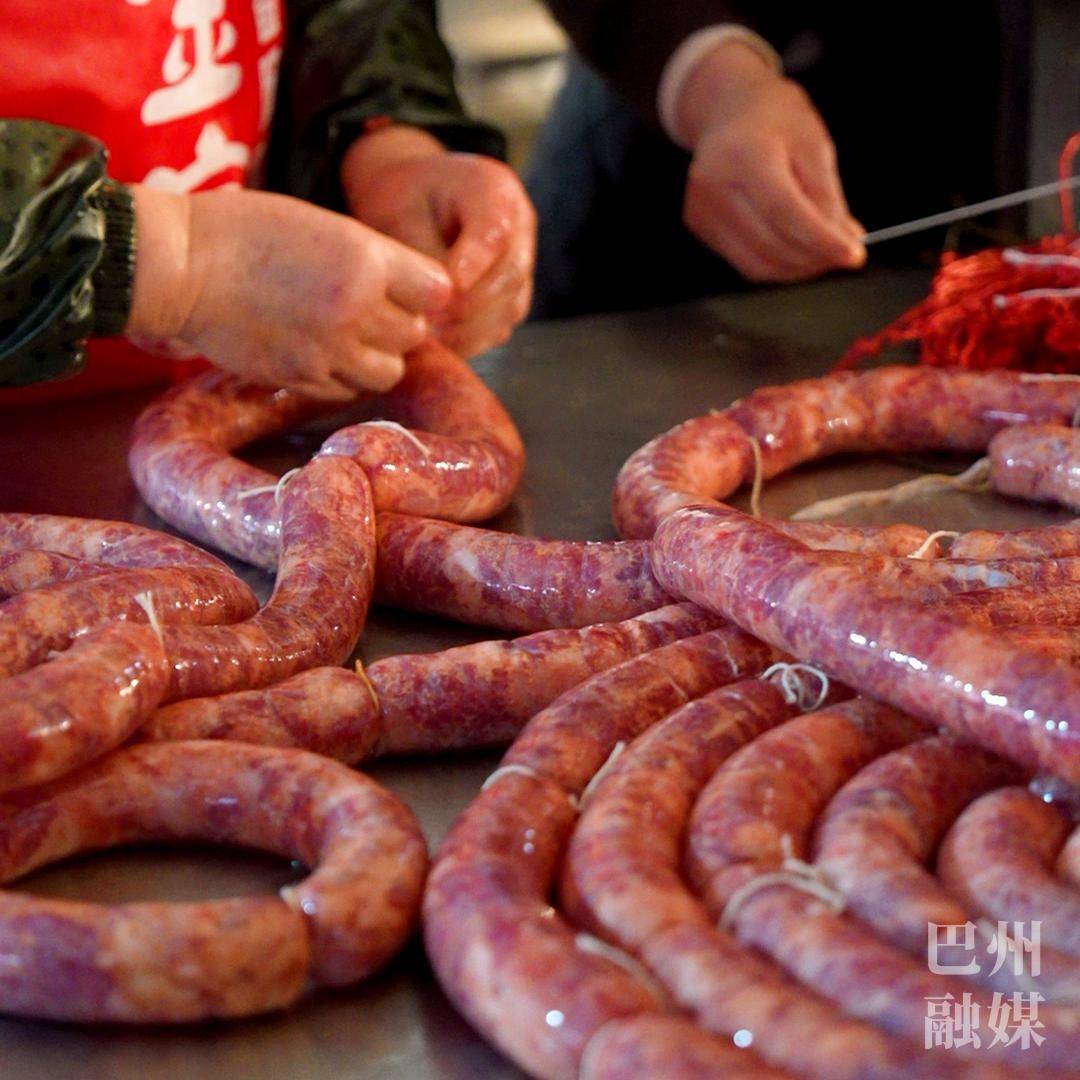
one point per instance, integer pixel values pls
(469, 212)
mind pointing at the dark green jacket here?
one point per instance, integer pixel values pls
(67, 240)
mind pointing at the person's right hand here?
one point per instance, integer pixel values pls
(763, 189)
(280, 291)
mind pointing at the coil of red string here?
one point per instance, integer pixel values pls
(1016, 307)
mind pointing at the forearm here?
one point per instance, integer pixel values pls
(160, 298)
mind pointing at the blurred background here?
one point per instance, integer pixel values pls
(510, 56)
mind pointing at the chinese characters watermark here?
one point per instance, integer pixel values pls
(954, 949)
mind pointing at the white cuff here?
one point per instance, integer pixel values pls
(689, 54)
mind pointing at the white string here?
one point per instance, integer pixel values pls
(790, 678)
(363, 677)
(600, 773)
(759, 475)
(521, 770)
(975, 478)
(509, 770)
(794, 873)
(278, 488)
(1003, 301)
(145, 600)
(587, 943)
(393, 425)
(924, 547)
(1016, 257)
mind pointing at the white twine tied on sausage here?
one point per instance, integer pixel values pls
(795, 873)
(278, 489)
(792, 681)
(514, 769)
(598, 776)
(587, 943)
(145, 600)
(923, 549)
(974, 478)
(393, 425)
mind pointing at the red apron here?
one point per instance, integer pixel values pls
(180, 91)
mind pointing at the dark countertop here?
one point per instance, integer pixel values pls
(585, 393)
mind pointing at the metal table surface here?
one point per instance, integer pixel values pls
(586, 393)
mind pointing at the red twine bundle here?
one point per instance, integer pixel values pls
(1001, 308)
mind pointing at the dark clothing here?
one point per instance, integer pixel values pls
(923, 119)
(347, 61)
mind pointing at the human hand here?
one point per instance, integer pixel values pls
(469, 212)
(763, 189)
(280, 291)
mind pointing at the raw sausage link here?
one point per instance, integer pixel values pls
(707, 459)
(621, 880)
(668, 1047)
(820, 607)
(483, 694)
(1039, 462)
(117, 543)
(897, 408)
(328, 710)
(320, 600)
(34, 623)
(998, 858)
(770, 793)
(1060, 643)
(82, 703)
(22, 571)
(829, 952)
(182, 466)
(471, 696)
(463, 464)
(572, 737)
(620, 875)
(868, 979)
(511, 582)
(504, 957)
(507, 962)
(884, 826)
(174, 962)
(1048, 542)
(1018, 605)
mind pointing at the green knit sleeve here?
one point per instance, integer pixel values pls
(67, 250)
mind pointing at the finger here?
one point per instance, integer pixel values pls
(484, 327)
(814, 164)
(390, 329)
(419, 230)
(485, 233)
(416, 282)
(780, 200)
(733, 228)
(328, 389)
(365, 368)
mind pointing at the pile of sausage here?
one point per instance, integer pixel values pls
(714, 809)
